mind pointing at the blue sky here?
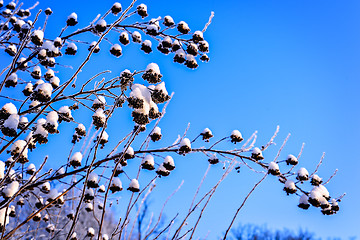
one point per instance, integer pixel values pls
(288, 63)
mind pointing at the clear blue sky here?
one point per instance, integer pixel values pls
(288, 63)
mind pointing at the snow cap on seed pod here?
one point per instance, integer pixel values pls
(116, 185)
(290, 187)
(72, 19)
(71, 49)
(92, 45)
(142, 10)
(116, 8)
(168, 21)
(316, 180)
(116, 50)
(124, 38)
(156, 134)
(302, 174)
(291, 160)
(185, 146)
(75, 160)
(273, 168)
(146, 46)
(191, 62)
(169, 163)
(257, 154)
(136, 37)
(213, 159)
(100, 26)
(206, 134)
(162, 171)
(303, 202)
(236, 136)
(134, 185)
(148, 162)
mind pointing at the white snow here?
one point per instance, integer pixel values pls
(237, 134)
(161, 87)
(185, 142)
(39, 34)
(99, 100)
(11, 189)
(148, 159)
(77, 157)
(147, 43)
(199, 34)
(289, 184)
(116, 182)
(101, 23)
(10, 108)
(65, 110)
(257, 151)
(12, 122)
(45, 186)
(31, 167)
(72, 46)
(55, 81)
(156, 130)
(105, 136)
(273, 166)
(169, 160)
(207, 131)
(136, 35)
(105, 237)
(18, 147)
(2, 169)
(73, 16)
(93, 177)
(52, 118)
(116, 47)
(90, 231)
(154, 67)
(125, 35)
(13, 77)
(169, 19)
(134, 184)
(4, 219)
(302, 172)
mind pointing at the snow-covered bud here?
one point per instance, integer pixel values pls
(36, 73)
(257, 154)
(75, 160)
(28, 90)
(191, 61)
(198, 36)
(116, 185)
(58, 42)
(192, 49)
(334, 205)
(33, 106)
(124, 38)
(156, 134)
(103, 139)
(303, 202)
(185, 146)
(302, 174)
(37, 37)
(152, 73)
(92, 45)
(12, 212)
(19, 150)
(22, 64)
(93, 180)
(10, 125)
(206, 134)
(48, 11)
(314, 197)
(49, 74)
(10, 189)
(152, 29)
(99, 118)
(42, 54)
(116, 8)
(2, 169)
(11, 50)
(142, 10)
(7, 110)
(169, 163)
(180, 56)
(129, 153)
(204, 58)
(162, 171)
(290, 187)
(50, 228)
(11, 5)
(80, 130)
(12, 80)
(99, 102)
(291, 160)
(55, 82)
(51, 62)
(89, 195)
(183, 27)
(22, 123)
(31, 169)
(42, 92)
(72, 19)
(104, 237)
(51, 124)
(204, 46)
(134, 186)
(21, 201)
(90, 232)
(7, 12)
(273, 168)
(168, 21)
(176, 46)
(89, 207)
(116, 50)
(324, 203)
(4, 218)
(126, 78)
(145, 46)
(148, 162)
(18, 24)
(45, 187)
(316, 180)
(236, 136)
(100, 26)
(136, 37)
(213, 159)
(65, 114)
(71, 49)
